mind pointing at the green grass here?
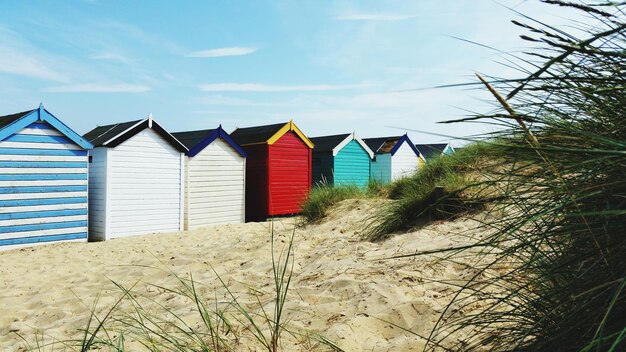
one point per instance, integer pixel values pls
(324, 196)
(556, 275)
(443, 189)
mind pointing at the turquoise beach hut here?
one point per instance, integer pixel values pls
(342, 159)
(43, 180)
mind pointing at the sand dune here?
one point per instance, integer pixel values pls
(341, 288)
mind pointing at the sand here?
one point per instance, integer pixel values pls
(341, 288)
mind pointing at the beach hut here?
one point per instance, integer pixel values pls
(215, 178)
(43, 180)
(430, 151)
(394, 158)
(278, 169)
(135, 181)
(342, 159)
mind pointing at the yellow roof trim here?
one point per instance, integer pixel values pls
(290, 126)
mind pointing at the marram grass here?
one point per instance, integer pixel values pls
(559, 244)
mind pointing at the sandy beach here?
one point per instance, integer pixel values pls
(341, 287)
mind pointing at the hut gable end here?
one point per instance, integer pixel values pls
(43, 180)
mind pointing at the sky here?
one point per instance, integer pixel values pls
(331, 66)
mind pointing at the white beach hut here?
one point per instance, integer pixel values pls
(43, 180)
(394, 158)
(215, 180)
(136, 180)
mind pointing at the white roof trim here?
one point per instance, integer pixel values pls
(121, 133)
(349, 139)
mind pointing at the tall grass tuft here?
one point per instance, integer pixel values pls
(557, 272)
(443, 189)
(323, 196)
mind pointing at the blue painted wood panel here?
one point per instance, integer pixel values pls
(39, 206)
(352, 166)
(381, 168)
(41, 189)
(40, 239)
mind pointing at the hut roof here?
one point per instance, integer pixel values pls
(9, 119)
(431, 150)
(336, 142)
(382, 145)
(328, 143)
(267, 134)
(195, 141)
(111, 136)
(385, 145)
(10, 124)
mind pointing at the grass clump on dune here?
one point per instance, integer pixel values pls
(443, 189)
(559, 244)
(323, 196)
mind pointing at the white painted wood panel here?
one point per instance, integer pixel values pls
(60, 158)
(403, 162)
(9, 210)
(216, 186)
(27, 145)
(44, 195)
(41, 132)
(144, 186)
(23, 234)
(23, 183)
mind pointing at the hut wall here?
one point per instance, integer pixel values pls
(322, 168)
(97, 194)
(352, 165)
(43, 187)
(256, 203)
(403, 162)
(145, 186)
(381, 168)
(216, 186)
(289, 174)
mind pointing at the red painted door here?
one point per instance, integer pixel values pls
(289, 174)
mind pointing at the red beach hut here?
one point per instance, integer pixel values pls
(278, 169)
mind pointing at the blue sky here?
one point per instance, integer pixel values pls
(332, 66)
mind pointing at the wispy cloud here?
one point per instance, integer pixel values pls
(269, 88)
(99, 88)
(220, 52)
(374, 17)
(110, 56)
(20, 58)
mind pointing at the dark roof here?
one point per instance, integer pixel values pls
(123, 132)
(382, 145)
(431, 150)
(196, 141)
(257, 134)
(101, 134)
(327, 143)
(9, 119)
(191, 138)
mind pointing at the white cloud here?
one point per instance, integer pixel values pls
(220, 52)
(99, 88)
(20, 58)
(109, 56)
(374, 17)
(269, 88)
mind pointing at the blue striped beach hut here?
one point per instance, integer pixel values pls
(43, 180)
